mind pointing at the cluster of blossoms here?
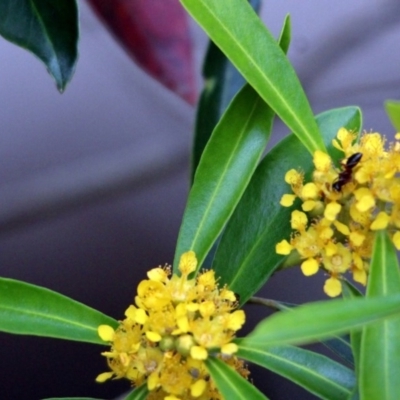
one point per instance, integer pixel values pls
(343, 208)
(176, 325)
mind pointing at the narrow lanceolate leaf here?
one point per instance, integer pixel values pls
(321, 320)
(379, 368)
(139, 393)
(230, 383)
(318, 374)
(241, 35)
(32, 310)
(225, 169)
(393, 110)
(222, 82)
(49, 29)
(246, 267)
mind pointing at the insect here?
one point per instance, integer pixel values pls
(345, 175)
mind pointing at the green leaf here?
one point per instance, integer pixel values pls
(285, 35)
(316, 373)
(393, 111)
(32, 310)
(222, 82)
(355, 395)
(247, 267)
(241, 35)
(49, 29)
(380, 346)
(321, 320)
(196, 203)
(351, 292)
(139, 393)
(341, 347)
(225, 169)
(230, 383)
(71, 398)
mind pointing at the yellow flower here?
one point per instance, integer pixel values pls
(166, 337)
(287, 200)
(309, 267)
(381, 221)
(396, 240)
(338, 262)
(299, 220)
(332, 210)
(322, 161)
(333, 287)
(309, 191)
(106, 333)
(342, 207)
(283, 247)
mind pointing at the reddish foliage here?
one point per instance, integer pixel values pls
(156, 34)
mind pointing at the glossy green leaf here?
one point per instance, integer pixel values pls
(247, 267)
(316, 373)
(49, 29)
(225, 169)
(222, 82)
(379, 369)
(139, 393)
(230, 383)
(238, 31)
(32, 310)
(393, 110)
(321, 320)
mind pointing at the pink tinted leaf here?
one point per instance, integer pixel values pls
(156, 34)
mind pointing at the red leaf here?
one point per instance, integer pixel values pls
(156, 34)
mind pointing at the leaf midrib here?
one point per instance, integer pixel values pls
(277, 93)
(222, 176)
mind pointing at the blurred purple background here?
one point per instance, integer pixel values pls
(115, 126)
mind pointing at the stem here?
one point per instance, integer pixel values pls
(274, 304)
(292, 260)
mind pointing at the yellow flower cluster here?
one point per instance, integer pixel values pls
(177, 323)
(342, 208)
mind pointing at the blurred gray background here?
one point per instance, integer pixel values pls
(116, 126)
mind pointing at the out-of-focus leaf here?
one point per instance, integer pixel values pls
(71, 398)
(49, 29)
(342, 348)
(238, 31)
(139, 393)
(230, 383)
(222, 82)
(316, 373)
(393, 110)
(320, 320)
(32, 310)
(246, 256)
(355, 394)
(351, 292)
(225, 169)
(379, 368)
(157, 35)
